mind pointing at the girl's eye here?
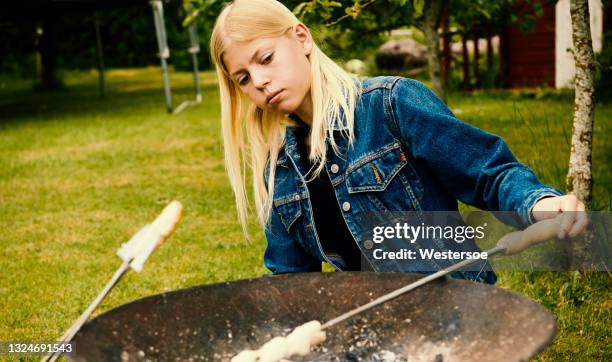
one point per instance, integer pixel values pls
(267, 59)
(243, 80)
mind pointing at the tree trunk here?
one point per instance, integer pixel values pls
(465, 64)
(47, 51)
(446, 49)
(476, 60)
(430, 26)
(503, 58)
(579, 180)
(490, 52)
(100, 51)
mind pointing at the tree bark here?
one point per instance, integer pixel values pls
(465, 64)
(579, 178)
(430, 25)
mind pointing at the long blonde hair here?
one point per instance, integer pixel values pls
(333, 93)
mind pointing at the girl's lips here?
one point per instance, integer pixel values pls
(276, 98)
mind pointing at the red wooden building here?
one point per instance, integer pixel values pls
(540, 57)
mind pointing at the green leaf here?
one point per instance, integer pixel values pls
(418, 5)
(298, 9)
(538, 9)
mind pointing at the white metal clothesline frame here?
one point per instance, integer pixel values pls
(164, 54)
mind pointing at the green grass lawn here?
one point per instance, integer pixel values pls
(79, 175)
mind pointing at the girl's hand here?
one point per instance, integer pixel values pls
(575, 218)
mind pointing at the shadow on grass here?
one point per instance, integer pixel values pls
(128, 91)
(83, 100)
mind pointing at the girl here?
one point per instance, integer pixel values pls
(326, 148)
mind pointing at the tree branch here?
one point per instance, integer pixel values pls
(347, 15)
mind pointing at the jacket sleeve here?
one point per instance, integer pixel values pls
(476, 167)
(283, 253)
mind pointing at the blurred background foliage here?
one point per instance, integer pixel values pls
(344, 29)
(127, 32)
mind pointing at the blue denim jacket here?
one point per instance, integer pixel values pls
(445, 160)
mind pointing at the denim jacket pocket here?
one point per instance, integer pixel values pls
(374, 171)
(289, 208)
(385, 178)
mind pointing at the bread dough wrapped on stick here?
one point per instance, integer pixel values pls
(297, 343)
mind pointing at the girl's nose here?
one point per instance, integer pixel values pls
(260, 80)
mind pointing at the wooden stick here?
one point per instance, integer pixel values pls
(511, 243)
(405, 289)
(74, 328)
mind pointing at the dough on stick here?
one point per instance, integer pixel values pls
(274, 350)
(298, 342)
(305, 336)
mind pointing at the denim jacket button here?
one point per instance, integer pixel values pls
(346, 206)
(335, 168)
(368, 244)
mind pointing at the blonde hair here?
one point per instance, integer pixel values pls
(333, 93)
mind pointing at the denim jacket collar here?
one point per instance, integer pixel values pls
(292, 150)
(293, 135)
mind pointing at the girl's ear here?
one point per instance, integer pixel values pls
(303, 37)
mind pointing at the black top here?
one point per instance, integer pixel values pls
(331, 228)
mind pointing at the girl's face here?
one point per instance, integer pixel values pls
(274, 73)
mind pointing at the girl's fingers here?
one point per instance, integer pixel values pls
(566, 224)
(568, 207)
(574, 220)
(581, 222)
